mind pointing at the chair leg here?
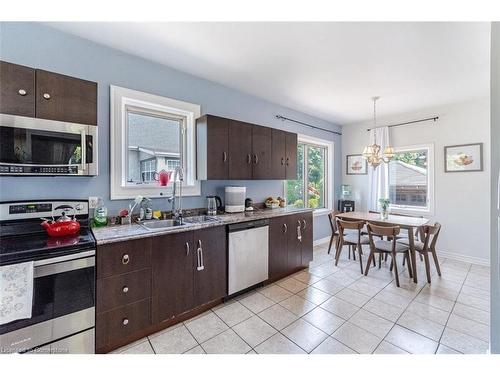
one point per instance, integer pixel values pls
(360, 258)
(436, 262)
(331, 242)
(407, 257)
(427, 266)
(339, 251)
(353, 253)
(420, 255)
(404, 259)
(385, 258)
(392, 264)
(370, 257)
(349, 252)
(379, 260)
(395, 268)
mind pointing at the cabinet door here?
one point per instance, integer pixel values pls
(262, 147)
(17, 90)
(64, 98)
(291, 156)
(217, 148)
(278, 254)
(294, 244)
(307, 238)
(278, 155)
(172, 265)
(210, 264)
(240, 150)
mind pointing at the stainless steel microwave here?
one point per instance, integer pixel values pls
(32, 146)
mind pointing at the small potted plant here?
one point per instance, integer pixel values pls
(384, 205)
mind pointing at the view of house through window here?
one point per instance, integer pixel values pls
(309, 189)
(154, 144)
(408, 179)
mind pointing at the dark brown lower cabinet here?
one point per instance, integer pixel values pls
(172, 274)
(290, 245)
(210, 274)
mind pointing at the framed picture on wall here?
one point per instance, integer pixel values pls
(463, 158)
(355, 164)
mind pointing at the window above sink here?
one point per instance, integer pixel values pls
(149, 134)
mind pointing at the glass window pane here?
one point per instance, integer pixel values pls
(316, 176)
(408, 179)
(295, 188)
(154, 144)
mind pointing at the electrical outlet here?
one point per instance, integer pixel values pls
(93, 202)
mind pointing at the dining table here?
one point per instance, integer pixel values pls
(409, 223)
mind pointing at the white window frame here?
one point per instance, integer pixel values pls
(329, 170)
(412, 210)
(148, 163)
(123, 98)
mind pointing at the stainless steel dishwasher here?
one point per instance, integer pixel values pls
(248, 254)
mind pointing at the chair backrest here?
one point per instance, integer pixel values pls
(431, 234)
(333, 221)
(344, 224)
(390, 231)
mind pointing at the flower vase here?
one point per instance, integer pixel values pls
(384, 214)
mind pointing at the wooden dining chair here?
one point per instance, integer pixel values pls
(354, 239)
(390, 247)
(430, 235)
(335, 237)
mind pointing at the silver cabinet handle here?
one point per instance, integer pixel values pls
(125, 259)
(125, 289)
(282, 161)
(224, 156)
(187, 248)
(287, 160)
(125, 321)
(46, 96)
(249, 158)
(22, 92)
(256, 157)
(299, 233)
(199, 253)
(305, 223)
(285, 228)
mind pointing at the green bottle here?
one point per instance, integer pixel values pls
(100, 214)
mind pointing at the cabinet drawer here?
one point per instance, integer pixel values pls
(116, 325)
(116, 291)
(123, 257)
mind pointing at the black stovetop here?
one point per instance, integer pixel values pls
(27, 241)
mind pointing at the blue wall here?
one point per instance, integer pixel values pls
(40, 46)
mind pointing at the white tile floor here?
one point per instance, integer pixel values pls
(335, 310)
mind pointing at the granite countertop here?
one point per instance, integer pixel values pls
(117, 233)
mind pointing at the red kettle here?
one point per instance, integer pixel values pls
(64, 226)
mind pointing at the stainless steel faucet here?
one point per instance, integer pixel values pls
(177, 207)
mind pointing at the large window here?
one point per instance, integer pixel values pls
(149, 134)
(313, 178)
(410, 179)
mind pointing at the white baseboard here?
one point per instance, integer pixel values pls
(321, 241)
(463, 258)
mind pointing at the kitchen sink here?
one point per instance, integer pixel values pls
(161, 224)
(201, 219)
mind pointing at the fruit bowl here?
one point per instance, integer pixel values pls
(272, 205)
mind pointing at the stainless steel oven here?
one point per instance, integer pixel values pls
(63, 308)
(32, 146)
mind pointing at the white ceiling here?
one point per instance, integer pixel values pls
(329, 70)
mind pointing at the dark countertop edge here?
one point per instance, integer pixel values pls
(226, 220)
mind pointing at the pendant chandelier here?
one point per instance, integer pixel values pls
(371, 153)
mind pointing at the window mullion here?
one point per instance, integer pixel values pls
(305, 175)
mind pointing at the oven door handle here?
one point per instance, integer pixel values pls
(64, 264)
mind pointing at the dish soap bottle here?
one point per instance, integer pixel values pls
(100, 214)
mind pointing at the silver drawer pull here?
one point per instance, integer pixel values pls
(22, 92)
(285, 228)
(305, 223)
(125, 259)
(187, 248)
(199, 253)
(46, 96)
(125, 289)
(125, 321)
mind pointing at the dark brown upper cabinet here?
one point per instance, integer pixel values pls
(17, 89)
(64, 98)
(212, 150)
(291, 156)
(235, 150)
(38, 93)
(262, 150)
